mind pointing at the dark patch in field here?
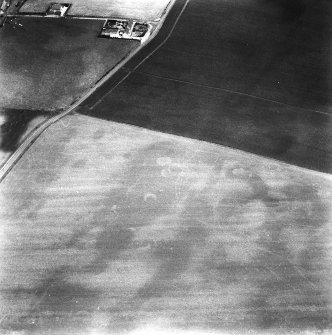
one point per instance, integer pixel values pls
(290, 293)
(172, 259)
(55, 304)
(15, 125)
(289, 11)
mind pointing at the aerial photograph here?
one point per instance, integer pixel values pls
(165, 167)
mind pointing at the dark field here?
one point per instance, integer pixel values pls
(15, 126)
(108, 228)
(46, 64)
(136, 9)
(278, 50)
(253, 75)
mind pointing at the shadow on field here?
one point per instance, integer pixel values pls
(54, 305)
(15, 124)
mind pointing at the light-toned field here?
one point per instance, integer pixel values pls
(135, 9)
(107, 227)
(15, 126)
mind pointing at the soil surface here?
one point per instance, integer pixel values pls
(107, 227)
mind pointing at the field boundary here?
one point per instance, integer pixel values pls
(170, 136)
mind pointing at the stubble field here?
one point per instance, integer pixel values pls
(108, 227)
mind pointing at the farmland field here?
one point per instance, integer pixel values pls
(46, 64)
(15, 126)
(108, 227)
(136, 9)
(277, 50)
(257, 78)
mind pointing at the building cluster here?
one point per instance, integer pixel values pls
(113, 28)
(58, 9)
(128, 29)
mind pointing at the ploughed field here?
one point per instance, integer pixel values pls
(45, 65)
(254, 75)
(107, 227)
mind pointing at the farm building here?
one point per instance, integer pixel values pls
(58, 9)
